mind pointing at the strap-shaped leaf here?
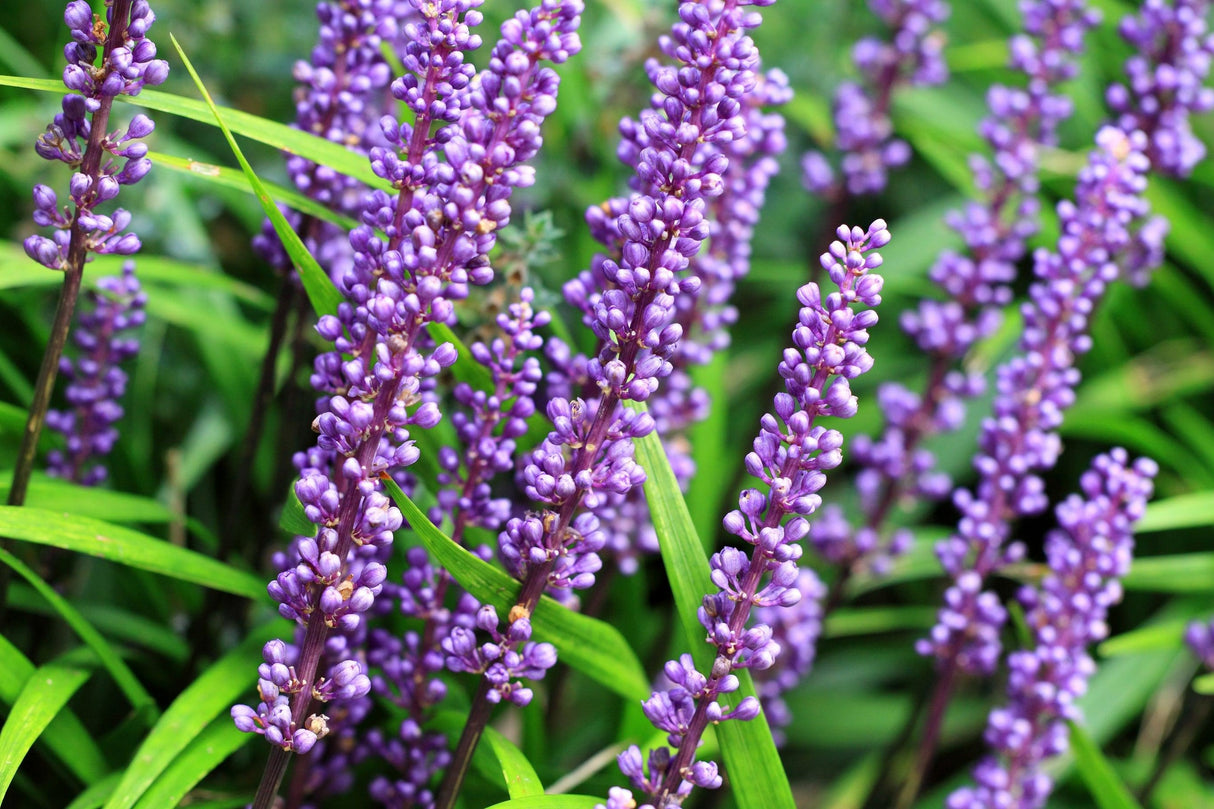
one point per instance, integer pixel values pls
(1175, 573)
(271, 133)
(97, 792)
(213, 693)
(513, 769)
(126, 547)
(756, 774)
(126, 680)
(206, 752)
(323, 296)
(230, 178)
(66, 736)
(44, 695)
(593, 647)
(551, 802)
(1104, 785)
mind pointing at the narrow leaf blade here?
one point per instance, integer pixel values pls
(593, 647)
(206, 752)
(1104, 785)
(756, 773)
(44, 695)
(126, 547)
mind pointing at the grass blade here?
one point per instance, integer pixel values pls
(44, 695)
(206, 698)
(66, 736)
(1104, 785)
(593, 647)
(323, 296)
(550, 802)
(1194, 510)
(757, 775)
(1175, 573)
(512, 770)
(126, 680)
(206, 752)
(126, 547)
(271, 133)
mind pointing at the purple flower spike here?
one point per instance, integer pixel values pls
(1088, 556)
(864, 135)
(1167, 74)
(96, 383)
(436, 235)
(1106, 231)
(1199, 637)
(102, 161)
(791, 457)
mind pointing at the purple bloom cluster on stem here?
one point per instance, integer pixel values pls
(630, 307)
(975, 286)
(791, 457)
(1166, 80)
(1199, 637)
(1105, 233)
(1088, 555)
(487, 426)
(864, 135)
(102, 162)
(96, 383)
(438, 230)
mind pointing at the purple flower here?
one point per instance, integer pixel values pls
(975, 286)
(1088, 555)
(437, 232)
(791, 457)
(102, 161)
(1166, 75)
(1199, 637)
(96, 383)
(1105, 232)
(863, 130)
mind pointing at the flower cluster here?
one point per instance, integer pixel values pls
(1199, 637)
(863, 130)
(791, 457)
(96, 383)
(975, 285)
(102, 161)
(343, 93)
(1166, 83)
(1088, 555)
(437, 232)
(1106, 230)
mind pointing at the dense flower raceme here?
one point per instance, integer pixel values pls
(724, 176)
(1106, 232)
(1088, 555)
(975, 286)
(103, 161)
(342, 95)
(863, 131)
(1199, 637)
(96, 383)
(487, 424)
(791, 457)
(438, 231)
(1166, 75)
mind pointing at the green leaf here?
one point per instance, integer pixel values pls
(1167, 635)
(126, 547)
(1204, 684)
(230, 178)
(551, 802)
(1104, 785)
(91, 501)
(211, 694)
(846, 621)
(593, 647)
(95, 795)
(513, 770)
(126, 680)
(1194, 510)
(323, 296)
(756, 773)
(293, 520)
(1176, 573)
(44, 695)
(206, 752)
(271, 133)
(66, 736)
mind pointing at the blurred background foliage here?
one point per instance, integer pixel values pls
(1147, 384)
